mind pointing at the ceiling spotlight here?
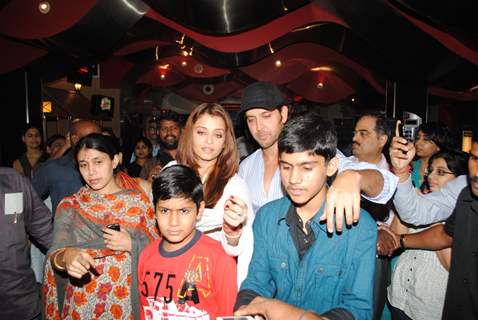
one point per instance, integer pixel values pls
(44, 7)
(162, 76)
(191, 51)
(77, 87)
(198, 68)
(184, 53)
(184, 63)
(353, 99)
(320, 85)
(278, 63)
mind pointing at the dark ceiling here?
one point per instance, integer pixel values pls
(350, 47)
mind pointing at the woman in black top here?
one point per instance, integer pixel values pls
(142, 151)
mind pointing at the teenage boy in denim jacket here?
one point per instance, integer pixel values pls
(295, 259)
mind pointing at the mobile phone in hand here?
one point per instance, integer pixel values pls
(114, 226)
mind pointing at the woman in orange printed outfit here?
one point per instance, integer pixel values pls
(89, 273)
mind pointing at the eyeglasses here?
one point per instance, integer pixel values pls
(439, 172)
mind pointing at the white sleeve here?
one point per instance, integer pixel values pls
(417, 209)
(389, 179)
(243, 250)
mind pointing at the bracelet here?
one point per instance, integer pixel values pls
(402, 241)
(236, 236)
(55, 263)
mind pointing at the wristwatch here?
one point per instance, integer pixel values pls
(402, 241)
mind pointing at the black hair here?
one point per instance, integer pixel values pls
(29, 126)
(456, 161)
(309, 132)
(383, 125)
(177, 181)
(439, 133)
(54, 138)
(100, 142)
(171, 116)
(145, 141)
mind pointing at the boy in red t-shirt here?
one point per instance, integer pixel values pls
(184, 275)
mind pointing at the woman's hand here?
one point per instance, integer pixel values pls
(117, 240)
(77, 262)
(154, 172)
(235, 212)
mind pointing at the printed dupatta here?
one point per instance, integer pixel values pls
(78, 223)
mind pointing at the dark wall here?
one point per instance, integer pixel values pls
(15, 88)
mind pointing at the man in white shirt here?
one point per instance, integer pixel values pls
(266, 113)
(371, 134)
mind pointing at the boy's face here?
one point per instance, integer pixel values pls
(304, 174)
(177, 219)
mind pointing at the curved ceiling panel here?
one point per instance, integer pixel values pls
(17, 55)
(304, 16)
(224, 17)
(446, 39)
(334, 88)
(310, 55)
(209, 92)
(22, 19)
(455, 17)
(153, 78)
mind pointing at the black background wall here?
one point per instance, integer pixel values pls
(15, 88)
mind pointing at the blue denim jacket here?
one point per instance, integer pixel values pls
(336, 272)
(57, 178)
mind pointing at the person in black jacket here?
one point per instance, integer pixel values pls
(22, 215)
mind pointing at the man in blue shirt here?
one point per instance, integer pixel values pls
(295, 259)
(60, 177)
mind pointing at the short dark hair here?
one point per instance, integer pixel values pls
(309, 132)
(439, 133)
(54, 138)
(456, 161)
(178, 181)
(170, 116)
(383, 125)
(100, 142)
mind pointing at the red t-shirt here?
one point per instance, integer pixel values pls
(196, 282)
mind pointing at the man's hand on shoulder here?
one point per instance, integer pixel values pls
(343, 198)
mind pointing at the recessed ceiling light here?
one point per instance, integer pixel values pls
(184, 63)
(162, 76)
(44, 7)
(353, 99)
(320, 85)
(278, 63)
(198, 68)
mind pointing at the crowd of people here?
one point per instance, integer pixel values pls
(187, 228)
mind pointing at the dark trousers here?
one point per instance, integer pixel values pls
(381, 282)
(398, 314)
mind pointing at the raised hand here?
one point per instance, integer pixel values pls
(401, 151)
